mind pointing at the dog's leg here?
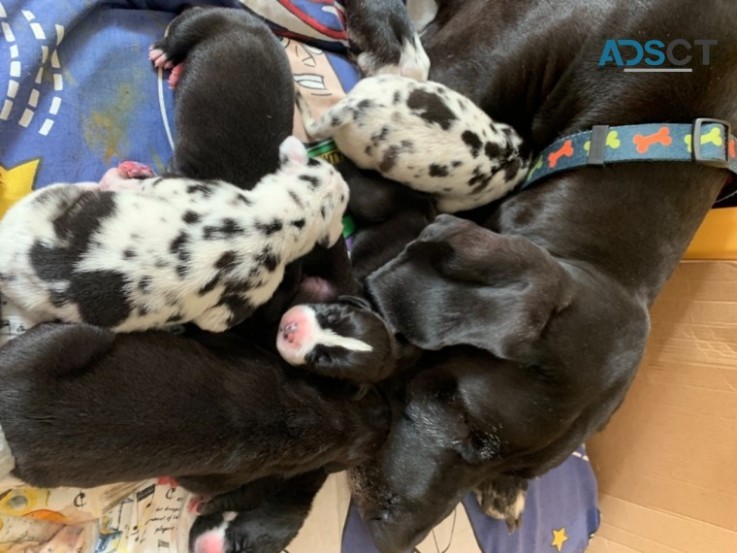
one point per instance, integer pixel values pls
(332, 119)
(215, 319)
(503, 498)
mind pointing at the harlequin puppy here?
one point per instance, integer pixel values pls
(175, 250)
(426, 136)
(234, 91)
(345, 339)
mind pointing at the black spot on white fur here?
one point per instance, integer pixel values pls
(431, 107)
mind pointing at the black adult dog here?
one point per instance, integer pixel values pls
(551, 298)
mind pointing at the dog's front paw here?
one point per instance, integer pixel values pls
(503, 499)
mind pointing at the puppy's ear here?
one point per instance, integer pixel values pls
(291, 150)
(460, 284)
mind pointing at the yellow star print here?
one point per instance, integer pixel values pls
(16, 182)
(559, 538)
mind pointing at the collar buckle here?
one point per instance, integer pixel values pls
(696, 144)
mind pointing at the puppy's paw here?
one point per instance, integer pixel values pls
(215, 319)
(159, 58)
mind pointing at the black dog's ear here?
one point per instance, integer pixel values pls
(461, 284)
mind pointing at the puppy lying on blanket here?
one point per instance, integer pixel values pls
(230, 72)
(217, 411)
(426, 136)
(175, 250)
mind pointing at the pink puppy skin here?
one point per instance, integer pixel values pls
(176, 72)
(134, 170)
(212, 541)
(125, 176)
(296, 336)
(158, 57)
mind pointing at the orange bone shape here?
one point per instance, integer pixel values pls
(565, 150)
(732, 148)
(643, 143)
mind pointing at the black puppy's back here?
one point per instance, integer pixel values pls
(235, 98)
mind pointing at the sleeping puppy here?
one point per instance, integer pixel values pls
(383, 39)
(542, 316)
(234, 94)
(262, 516)
(171, 250)
(217, 411)
(425, 136)
(344, 339)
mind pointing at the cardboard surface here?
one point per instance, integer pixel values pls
(716, 237)
(667, 461)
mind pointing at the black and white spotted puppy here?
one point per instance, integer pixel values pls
(425, 136)
(345, 339)
(169, 251)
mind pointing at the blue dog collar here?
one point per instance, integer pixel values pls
(706, 141)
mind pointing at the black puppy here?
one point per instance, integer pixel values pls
(218, 412)
(554, 296)
(262, 516)
(387, 217)
(344, 339)
(234, 94)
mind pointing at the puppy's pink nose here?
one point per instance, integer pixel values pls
(297, 331)
(288, 331)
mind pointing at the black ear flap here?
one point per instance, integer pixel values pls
(461, 284)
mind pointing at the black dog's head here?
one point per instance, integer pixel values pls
(534, 355)
(345, 339)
